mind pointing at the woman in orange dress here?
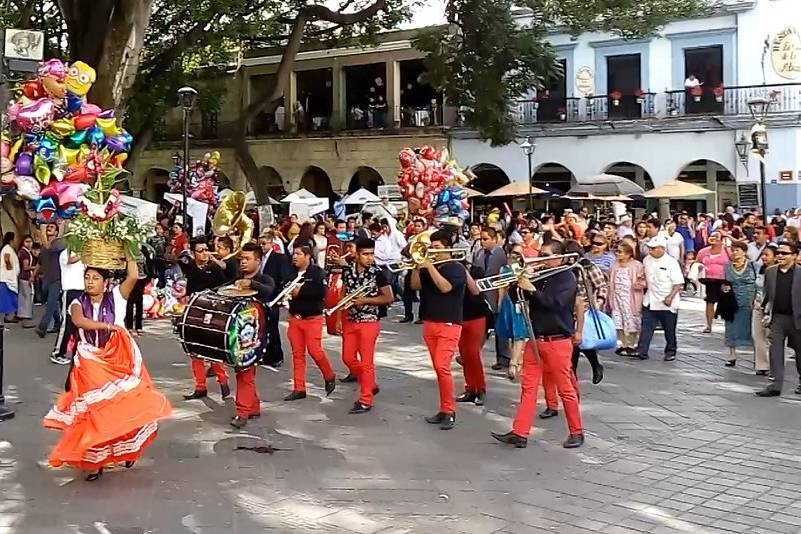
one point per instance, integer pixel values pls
(110, 411)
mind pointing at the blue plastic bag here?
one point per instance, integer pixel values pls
(599, 331)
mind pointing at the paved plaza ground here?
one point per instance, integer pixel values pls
(672, 447)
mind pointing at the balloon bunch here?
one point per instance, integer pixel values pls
(202, 180)
(432, 184)
(58, 145)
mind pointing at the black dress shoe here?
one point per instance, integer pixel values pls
(573, 441)
(225, 391)
(239, 422)
(419, 321)
(467, 396)
(348, 379)
(435, 419)
(620, 350)
(512, 439)
(548, 413)
(762, 372)
(406, 320)
(360, 408)
(197, 394)
(499, 367)
(731, 363)
(597, 374)
(91, 477)
(376, 390)
(480, 397)
(295, 395)
(768, 392)
(448, 421)
(330, 386)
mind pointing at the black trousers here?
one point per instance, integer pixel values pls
(134, 311)
(408, 297)
(67, 330)
(274, 355)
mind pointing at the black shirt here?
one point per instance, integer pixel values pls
(231, 270)
(475, 306)
(201, 278)
(309, 302)
(782, 300)
(551, 306)
(265, 287)
(441, 307)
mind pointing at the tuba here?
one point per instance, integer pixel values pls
(230, 220)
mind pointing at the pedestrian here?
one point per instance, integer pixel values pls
(510, 322)
(599, 255)
(491, 258)
(410, 295)
(660, 304)
(714, 259)
(51, 281)
(759, 332)
(275, 264)
(782, 307)
(72, 272)
(134, 311)
(25, 285)
(626, 286)
(552, 303)
(741, 276)
(474, 330)
(320, 244)
(9, 278)
(675, 241)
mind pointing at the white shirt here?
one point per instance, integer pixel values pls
(71, 273)
(9, 276)
(674, 244)
(383, 251)
(661, 274)
(120, 309)
(689, 83)
(754, 252)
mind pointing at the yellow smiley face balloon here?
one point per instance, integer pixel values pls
(80, 78)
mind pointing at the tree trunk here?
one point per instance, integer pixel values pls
(14, 218)
(142, 140)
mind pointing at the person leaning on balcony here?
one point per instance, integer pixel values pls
(691, 82)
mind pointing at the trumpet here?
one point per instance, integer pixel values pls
(420, 250)
(285, 295)
(348, 300)
(527, 268)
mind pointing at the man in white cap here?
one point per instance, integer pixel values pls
(660, 305)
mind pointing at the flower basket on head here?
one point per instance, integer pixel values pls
(718, 92)
(104, 254)
(697, 92)
(615, 96)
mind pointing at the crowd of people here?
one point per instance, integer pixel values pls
(636, 271)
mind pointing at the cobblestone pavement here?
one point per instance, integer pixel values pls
(680, 447)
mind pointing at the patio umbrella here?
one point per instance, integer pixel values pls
(515, 189)
(472, 193)
(606, 185)
(677, 189)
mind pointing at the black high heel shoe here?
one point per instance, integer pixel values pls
(129, 464)
(91, 477)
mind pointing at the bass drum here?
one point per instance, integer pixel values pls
(223, 329)
(331, 299)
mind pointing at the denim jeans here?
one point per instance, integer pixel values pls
(650, 319)
(52, 295)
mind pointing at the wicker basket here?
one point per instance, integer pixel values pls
(104, 254)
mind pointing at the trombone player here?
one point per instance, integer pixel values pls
(361, 325)
(441, 283)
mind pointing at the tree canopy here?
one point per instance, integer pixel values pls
(487, 58)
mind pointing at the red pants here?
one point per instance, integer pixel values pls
(247, 398)
(556, 360)
(358, 352)
(470, 342)
(549, 385)
(306, 334)
(441, 340)
(199, 371)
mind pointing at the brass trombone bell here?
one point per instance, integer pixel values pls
(421, 253)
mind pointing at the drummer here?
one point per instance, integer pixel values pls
(248, 404)
(201, 274)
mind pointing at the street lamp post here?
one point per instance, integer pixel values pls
(759, 108)
(528, 149)
(187, 97)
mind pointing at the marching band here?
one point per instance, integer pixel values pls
(352, 294)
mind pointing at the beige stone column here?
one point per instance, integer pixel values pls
(339, 93)
(290, 98)
(393, 93)
(712, 185)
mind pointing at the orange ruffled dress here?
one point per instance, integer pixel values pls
(111, 412)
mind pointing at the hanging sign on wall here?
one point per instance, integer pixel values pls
(785, 53)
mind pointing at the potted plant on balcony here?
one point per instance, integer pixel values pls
(697, 92)
(615, 97)
(639, 94)
(562, 113)
(718, 92)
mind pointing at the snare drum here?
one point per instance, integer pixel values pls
(224, 329)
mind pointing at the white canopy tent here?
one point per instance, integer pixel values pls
(300, 194)
(360, 197)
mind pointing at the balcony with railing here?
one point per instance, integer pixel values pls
(699, 101)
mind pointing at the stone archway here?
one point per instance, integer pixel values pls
(488, 178)
(316, 180)
(715, 177)
(632, 171)
(366, 177)
(156, 183)
(273, 181)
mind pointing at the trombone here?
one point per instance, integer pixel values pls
(529, 268)
(283, 298)
(347, 301)
(420, 250)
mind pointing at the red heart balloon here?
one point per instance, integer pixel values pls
(77, 175)
(84, 121)
(33, 89)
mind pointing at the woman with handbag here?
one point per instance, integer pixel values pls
(714, 258)
(742, 275)
(627, 286)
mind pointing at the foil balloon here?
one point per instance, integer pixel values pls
(5, 147)
(24, 165)
(65, 193)
(67, 212)
(116, 144)
(6, 165)
(27, 187)
(75, 140)
(50, 142)
(107, 114)
(80, 78)
(76, 175)
(36, 116)
(70, 155)
(33, 89)
(41, 169)
(62, 127)
(52, 74)
(73, 102)
(91, 109)
(108, 126)
(12, 152)
(84, 121)
(94, 136)
(45, 208)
